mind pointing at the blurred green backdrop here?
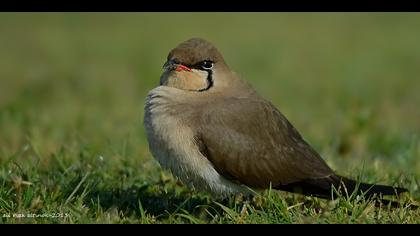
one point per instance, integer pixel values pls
(349, 82)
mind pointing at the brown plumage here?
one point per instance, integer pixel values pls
(202, 51)
(217, 134)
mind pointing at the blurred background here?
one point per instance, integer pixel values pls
(73, 85)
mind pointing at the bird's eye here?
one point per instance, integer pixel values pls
(207, 64)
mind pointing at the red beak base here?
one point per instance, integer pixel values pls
(182, 67)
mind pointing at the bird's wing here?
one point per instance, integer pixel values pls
(249, 141)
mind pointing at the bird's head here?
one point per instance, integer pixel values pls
(194, 65)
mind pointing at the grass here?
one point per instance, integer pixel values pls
(72, 89)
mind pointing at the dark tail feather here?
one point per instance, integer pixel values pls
(321, 187)
(369, 189)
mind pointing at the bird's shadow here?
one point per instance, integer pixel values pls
(157, 200)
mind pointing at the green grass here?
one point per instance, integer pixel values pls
(72, 90)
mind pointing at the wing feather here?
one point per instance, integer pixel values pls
(249, 141)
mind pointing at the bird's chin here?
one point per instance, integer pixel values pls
(187, 80)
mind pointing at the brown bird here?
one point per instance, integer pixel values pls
(213, 131)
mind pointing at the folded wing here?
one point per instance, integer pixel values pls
(250, 142)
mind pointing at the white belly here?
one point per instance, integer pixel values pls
(171, 143)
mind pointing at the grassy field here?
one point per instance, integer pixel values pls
(72, 89)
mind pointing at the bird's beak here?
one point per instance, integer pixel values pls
(172, 65)
(169, 65)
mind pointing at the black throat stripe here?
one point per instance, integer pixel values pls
(209, 81)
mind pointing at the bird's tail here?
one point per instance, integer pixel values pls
(368, 190)
(371, 190)
(322, 187)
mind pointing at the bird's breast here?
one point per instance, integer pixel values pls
(171, 142)
(171, 139)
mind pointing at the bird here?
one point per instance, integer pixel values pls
(213, 131)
